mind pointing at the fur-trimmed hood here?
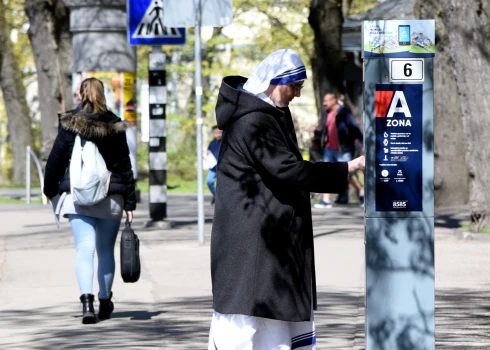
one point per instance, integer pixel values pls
(93, 126)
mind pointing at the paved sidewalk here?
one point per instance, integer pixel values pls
(170, 307)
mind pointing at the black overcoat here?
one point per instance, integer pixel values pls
(262, 259)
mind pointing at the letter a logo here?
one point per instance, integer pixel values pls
(399, 97)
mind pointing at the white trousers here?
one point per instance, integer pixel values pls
(241, 332)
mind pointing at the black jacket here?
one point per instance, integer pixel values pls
(108, 132)
(262, 259)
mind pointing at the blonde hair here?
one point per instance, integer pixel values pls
(92, 91)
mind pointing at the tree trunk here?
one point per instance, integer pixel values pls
(450, 171)
(346, 4)
(51, 43)
(13, 90)
(326, 21)
(468, 27)
(63, 37)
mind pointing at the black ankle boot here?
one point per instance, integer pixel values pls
(88, 316)
(105, 308)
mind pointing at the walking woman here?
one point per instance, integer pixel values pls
(94, 227)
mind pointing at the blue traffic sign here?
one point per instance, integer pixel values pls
(146, 25)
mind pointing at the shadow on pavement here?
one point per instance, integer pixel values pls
(462, 319)
(178, 324)
(135, 315)
(451, 217)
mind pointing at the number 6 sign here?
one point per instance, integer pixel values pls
(406, 70)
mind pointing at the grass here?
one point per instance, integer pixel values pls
(9, 200)
(33, 185)
(174, 185)
(485, 231)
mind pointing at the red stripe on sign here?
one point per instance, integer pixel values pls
(382, 102)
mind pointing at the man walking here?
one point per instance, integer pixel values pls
(339, 132)
(262, 254)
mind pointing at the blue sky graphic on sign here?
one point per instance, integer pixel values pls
(399, 143)
(146, 26)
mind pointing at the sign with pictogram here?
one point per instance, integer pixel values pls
(147, 27)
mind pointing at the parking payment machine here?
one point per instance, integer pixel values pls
(399, 138)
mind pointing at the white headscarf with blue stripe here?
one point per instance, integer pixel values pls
(279, 68)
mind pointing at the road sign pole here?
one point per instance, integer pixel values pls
(199, 123)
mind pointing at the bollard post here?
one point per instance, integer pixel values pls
(158, 132)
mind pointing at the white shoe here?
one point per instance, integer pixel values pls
(323, 205)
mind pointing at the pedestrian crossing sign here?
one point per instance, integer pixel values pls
(146, 26)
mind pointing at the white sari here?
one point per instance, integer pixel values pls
(241, 332)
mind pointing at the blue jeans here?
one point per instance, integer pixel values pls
(94, 234)
(333, 155)
(211, 179)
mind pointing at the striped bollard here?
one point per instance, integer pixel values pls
(158, 133)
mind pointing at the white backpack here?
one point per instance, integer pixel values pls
(89, 177)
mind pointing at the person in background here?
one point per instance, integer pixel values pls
(262, 249)
(94, 227)
(213, 153)
(357, 152)
(339, 132)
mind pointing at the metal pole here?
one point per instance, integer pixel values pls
(39, 173)
(199, 122)
(28, 175)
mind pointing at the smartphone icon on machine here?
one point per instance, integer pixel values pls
(404, 35)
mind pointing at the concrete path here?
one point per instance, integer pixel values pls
(170, 307)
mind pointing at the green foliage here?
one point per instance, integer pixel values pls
(143, 159)
(5, 154)
(275, 25)
(360, 6)
(467, 227)
(9, 200)
(181, 147)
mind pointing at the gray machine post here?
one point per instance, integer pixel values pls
(399, 238)
(100, 36)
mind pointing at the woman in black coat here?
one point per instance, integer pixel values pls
(95, 227)
(262, 259)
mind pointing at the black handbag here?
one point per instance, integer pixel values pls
(130, 255)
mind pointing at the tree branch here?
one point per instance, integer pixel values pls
(283, 27)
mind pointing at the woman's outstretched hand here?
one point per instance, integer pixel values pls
(356, 165)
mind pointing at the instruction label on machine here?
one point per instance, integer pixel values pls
(399, 142)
